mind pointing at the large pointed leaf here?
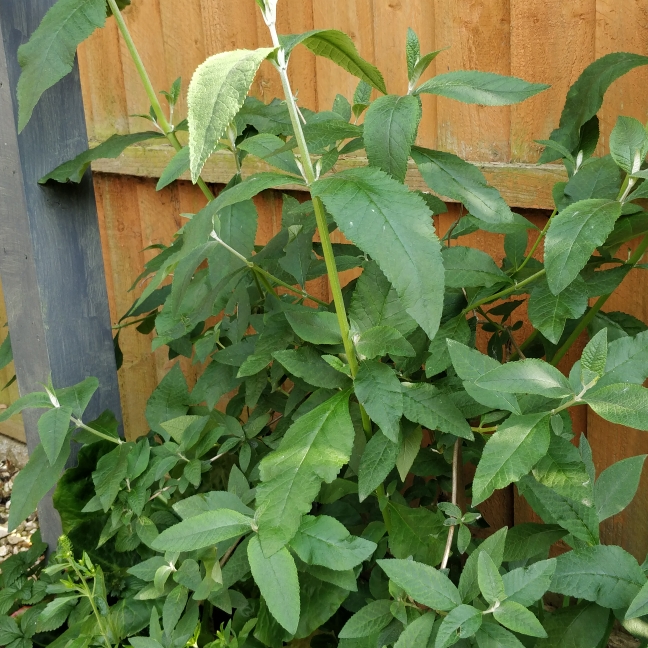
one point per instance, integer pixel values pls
(623, 403)
(530, 539)
(449, 175)
(395, 227)
(216, 93)
(585, 98)
(464, 621)
(368, 620)
(416, 532)
(468, 267)
(573, 236)
(617, 485)
(627, 361)
(339, 48)
(510, 453)
(378, 460)
(494, 547)
(628, 143)
(390, 128)
(34, 400)
(53, 428)
(49, 54)
(277, 579)
(526, 585)
(576, 626)
(483, 88)
(312, 451)
(607, 575)
(530, 376)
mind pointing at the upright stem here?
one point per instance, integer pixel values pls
(591, 314)
(455, 495)
(162, 121)
(537, 241)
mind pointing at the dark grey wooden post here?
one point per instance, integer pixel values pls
(51, 264)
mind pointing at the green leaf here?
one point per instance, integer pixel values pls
(468, 582)
(524, 541)
(449, 175)
(471, 365)
(379, 392)
(580, 520)
(573, 236)
(317, 327)
(490, 582)
(617, 485)
(203, 530)
(526, 585)
(639, 605)
(417, 632)
(378, 460)
(585, 97)
(629, 143)
(375, 303)
(368, 620)
(33, 482)
(312, 451)
(174, 605)
(597, 178)
(113, 147)
(463, 621)
(178, 165)
(491, 635)
(410, 447)
(456, 329)
(424, 584)
(517, 618)
(216, 93)
(6, 354)
(53, 429)
(277, 579)
(425, 404)
(326, 542)
(412, 51)
(250, 187)
(49, 54)
(627, 361)
(626, 404)
(577, 626)
(390, 128)
(594, 358)
(607, 575)
(111, 470)
(264, 146)
(369, 209)
(422, 65)
(339, 48)
(549, 313)
(307, 364)
(320, 600)
(78, 396)
(416, 532)
(168, 401)
(381, 340)
(483, 88)
(526, 377)
(468, 267)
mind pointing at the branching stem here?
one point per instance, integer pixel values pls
(455, 497)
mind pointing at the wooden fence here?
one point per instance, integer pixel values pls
(548, 41)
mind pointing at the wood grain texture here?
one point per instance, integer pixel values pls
(551, 42)
(13, 428)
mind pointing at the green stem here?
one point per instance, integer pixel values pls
(80, 424)
(591, 314)
(537, 241)
(90, 596)
(504, 293)
(524, 345)
(162, 121)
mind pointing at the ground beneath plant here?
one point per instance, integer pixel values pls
(20, 539)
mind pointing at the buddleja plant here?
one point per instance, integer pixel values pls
(309, 512)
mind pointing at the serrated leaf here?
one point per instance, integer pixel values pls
(449, 175)
(49, 54)
(277, 579)
(517, 618)
(462, 622)
(526, 377)
(412, 51)
(111, 470)
(607, 575)
(203, 530)
(53, 428)
(326, 542)
(378, 389)
(627, 361)
(596, 178)
(594, 358)
(491, 635)
(628, 143)
(368, 620)
(423, 583)
(177, 166)
(527, 540)
(216, 93)
(382, 340)
(573, 236)
(174, 606)
(549, 313)
(456, 329)
(526, 585)
(494, 547)
(317, 327)
(483, 88)
(169, 401)
(265, 146)
(339, 48)
(390, 128)
(378, 460)
(410, 447)
(617, 485)
(623, 403)
(417, 632)
(312, 451)
(490, 582)
(307, 364)
(468, 268)
(576, 626)
(369, 208)
(416, 532)
(585, 97)
(78, 396)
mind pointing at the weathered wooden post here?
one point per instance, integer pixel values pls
(51, 264)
